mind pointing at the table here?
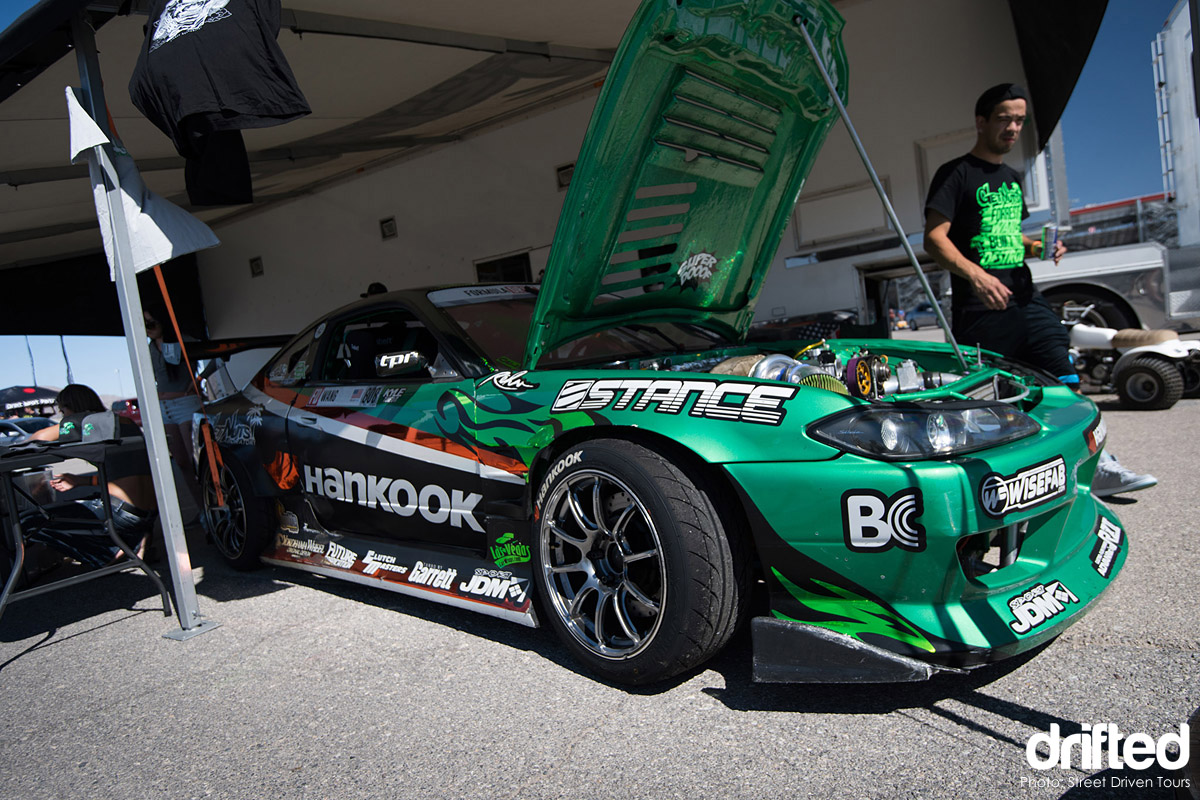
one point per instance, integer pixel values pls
(22, 459)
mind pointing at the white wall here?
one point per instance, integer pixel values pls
(1185, 134)
(486, 196)
(496, 193)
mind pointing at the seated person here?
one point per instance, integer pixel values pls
(129, 487)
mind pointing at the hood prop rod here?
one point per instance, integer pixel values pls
(887, 204)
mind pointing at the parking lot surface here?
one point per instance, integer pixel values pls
(313, 688)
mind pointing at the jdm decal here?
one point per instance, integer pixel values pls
(697, 270)
(509, 381)
(1109, 538)
(873, 522)
(497, 584)
(1032, 486)
(1040, 604)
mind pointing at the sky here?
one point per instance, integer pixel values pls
(1110, 135)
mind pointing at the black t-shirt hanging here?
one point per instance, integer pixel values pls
(210, 66)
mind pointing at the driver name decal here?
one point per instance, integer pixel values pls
(396, 495)
(1000, 494)
(729, 400)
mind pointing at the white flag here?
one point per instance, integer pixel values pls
(158, 230)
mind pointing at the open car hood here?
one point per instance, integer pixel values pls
(711, 116)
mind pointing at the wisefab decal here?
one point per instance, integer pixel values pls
(1032, 486)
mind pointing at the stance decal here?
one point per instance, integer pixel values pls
(730, 400)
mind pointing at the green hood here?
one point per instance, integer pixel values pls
(710, 118)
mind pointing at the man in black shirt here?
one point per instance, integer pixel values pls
(973, 217)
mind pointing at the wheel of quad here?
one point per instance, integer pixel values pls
(636, 570)
(1104, 313)
(1191, 379)
(241, 528)
(1149, 383)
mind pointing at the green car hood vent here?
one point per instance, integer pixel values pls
(711, 116)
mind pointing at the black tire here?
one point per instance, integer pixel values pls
(1149, 383)
(241, 528)
(913, 326)
(1191, 378)
(644, 619)
(1104, 314)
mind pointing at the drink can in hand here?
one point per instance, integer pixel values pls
(1049, 241)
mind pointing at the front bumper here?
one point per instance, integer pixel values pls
(903, 558)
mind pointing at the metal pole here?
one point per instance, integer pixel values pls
(102, 169)
(887, 204)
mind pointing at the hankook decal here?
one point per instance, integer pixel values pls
(731, 400)
(1032, 486)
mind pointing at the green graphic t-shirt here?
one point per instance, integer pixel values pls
(985, 206)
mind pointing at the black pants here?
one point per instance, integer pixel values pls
(1032, 333)
(77, 529)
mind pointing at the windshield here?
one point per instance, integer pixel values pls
(496, 319)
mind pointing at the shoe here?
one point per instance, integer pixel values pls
(1112, 478)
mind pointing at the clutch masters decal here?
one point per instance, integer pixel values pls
(1000, 494)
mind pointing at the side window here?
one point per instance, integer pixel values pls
(358, 344)
(294, 364)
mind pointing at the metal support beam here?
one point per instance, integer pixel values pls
(104, 173)
(887, 203)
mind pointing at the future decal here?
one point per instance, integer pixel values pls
(507, 381)
(873, 522)
(1039, 604)
(1032, 486)
(395, 495)
(729, 400)
(497, 584)
(338, 556)
(1109, 540)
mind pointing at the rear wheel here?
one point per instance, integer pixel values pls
(1191, 378)
(1149, 383)
(634, 565)
(241, 527)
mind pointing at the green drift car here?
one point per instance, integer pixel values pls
(606, 454)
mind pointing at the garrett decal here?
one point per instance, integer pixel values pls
(339, 556)
(569, 460)
(697, 269)
(433, 577)
(497, 584)
(1039, 604)
(395, 495)
(505, 552)
(730, 400)
(873, 522)
(509, 381)
(373, 563)
(1105, 552)
(1000, 494)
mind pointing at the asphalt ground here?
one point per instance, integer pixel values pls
(314, 688)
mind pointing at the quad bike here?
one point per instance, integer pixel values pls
(1147, 369)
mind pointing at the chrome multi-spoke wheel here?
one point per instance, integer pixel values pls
(602, 561)
(236, 520)
(634, 567)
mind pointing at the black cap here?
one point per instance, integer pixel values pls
(996, 95)
(374, 288)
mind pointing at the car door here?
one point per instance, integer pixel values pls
(374, 435)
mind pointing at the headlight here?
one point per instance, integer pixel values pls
(904, 432)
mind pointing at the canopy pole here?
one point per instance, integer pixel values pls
(887, 204)
(103, 172)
